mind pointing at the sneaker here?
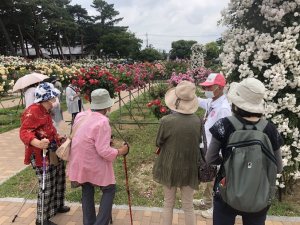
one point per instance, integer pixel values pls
(198, 202)
(208, 214)
(46, 222)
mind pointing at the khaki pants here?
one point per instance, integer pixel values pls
(207, 195)
(187, 204)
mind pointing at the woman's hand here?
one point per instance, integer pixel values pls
(123, 150)
(62, 139)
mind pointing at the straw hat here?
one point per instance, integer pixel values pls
(248, 95)
(101, 99)
(182, 98)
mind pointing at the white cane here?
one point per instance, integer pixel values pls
(43, 186)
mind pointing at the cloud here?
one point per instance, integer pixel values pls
(182, 18)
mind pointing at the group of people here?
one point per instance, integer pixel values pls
(179, 137)
(180, 134)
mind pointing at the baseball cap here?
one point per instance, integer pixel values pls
(214, 78)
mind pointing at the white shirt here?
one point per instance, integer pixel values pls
(219, 109)
(29, 97)
(72, 103)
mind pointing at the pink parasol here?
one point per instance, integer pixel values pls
(29, 79)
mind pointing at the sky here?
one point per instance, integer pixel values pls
(168, 20)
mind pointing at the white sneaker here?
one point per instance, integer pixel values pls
(198, 202)
(208, 214)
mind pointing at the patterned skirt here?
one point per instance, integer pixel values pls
(55, 185)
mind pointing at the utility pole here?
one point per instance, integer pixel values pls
(146, 40)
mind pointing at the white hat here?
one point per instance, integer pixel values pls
(101, 99)
(182, 98)
(248, 95)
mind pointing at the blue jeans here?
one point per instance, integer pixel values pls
(222, 217)
(88, 205)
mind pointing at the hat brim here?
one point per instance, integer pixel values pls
(103, 105)
(242, 103)
(185, 107)
(207, 84)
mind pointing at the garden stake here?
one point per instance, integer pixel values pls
(120, 108)
(125, 165)
(24, 202)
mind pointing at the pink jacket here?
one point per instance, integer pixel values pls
(91, 156)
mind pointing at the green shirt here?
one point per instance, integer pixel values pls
(179, 137)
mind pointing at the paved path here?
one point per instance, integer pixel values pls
(11, 161)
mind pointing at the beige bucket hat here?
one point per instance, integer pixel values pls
(182, 98)
(248, 95)
(101, 99)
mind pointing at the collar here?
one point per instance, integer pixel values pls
(217, 102)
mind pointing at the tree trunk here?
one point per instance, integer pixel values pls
(22, 42)
(50, 39)
(68, 45)
(27, 47)
(81, 43)
(62, 53)
(35, 43)
(58, 52)
(38, 47)
(13, 52)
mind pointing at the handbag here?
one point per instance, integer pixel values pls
(206, 173)
(64, 150)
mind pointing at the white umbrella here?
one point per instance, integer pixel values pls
(29, 79)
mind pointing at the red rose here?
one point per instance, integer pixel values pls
(92, 68)
(87, 76)
(87, 91)
(74, 81)
(91, 81)
(150, 104)
(82, 70)
(76, 73)
(80, 77)
(96, 81)
(118, 90)
(163, 109)
(98, 68)
(77, 90)
(100, 74)
(86, 97)
(157, 102)
(93, 73)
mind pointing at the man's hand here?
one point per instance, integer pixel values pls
(123, 150)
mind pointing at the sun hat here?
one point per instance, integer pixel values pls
(101, 99)
(214, 78)
(44, 92)
(248, 95)
(53, 79)
(182, 98)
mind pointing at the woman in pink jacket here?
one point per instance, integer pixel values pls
(91, 157)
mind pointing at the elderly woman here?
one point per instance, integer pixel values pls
(179, 137)
(73, 98)
(91, 157)
(37, 132)
(247, 99)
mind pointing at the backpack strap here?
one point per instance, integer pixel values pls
(261, 125)
(235, 123)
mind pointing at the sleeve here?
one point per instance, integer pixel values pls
(162, 134)
(102, 142)
(29, 123)
(69, 94)
(218, 130)
(274, 136)
(278, 157)
(203, 103)
(224, 113)
(212, 155)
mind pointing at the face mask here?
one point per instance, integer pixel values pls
(107, 112)
(210, 94)
(55, 104)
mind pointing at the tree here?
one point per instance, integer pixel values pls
(212, 50)
(262, 41)
(122, 45)
(149, 55)
(181, 49)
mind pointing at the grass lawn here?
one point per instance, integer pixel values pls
(144, 191)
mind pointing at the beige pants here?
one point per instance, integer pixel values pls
(207, 195)
(187, 204)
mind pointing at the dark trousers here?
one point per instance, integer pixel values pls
(222, 217)
(88, 205)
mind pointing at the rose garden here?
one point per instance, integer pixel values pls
(262, 41)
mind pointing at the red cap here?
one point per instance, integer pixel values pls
(214, 78)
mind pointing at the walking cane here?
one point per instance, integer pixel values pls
(128, 192)
(24, 202)
(43, 186)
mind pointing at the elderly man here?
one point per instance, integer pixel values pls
(217, 107)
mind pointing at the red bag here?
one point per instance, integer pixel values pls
(157, 151)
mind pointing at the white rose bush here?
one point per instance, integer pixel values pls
(262, 41)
